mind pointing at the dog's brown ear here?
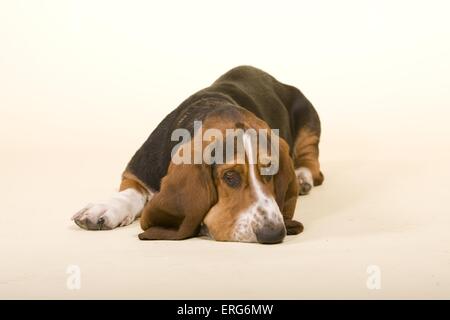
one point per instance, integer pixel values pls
(176, 212)
(286, 189)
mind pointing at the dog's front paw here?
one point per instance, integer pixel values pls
(121, 210)
(293, 227)
(95, 217)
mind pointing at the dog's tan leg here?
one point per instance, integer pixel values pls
(120, 210)
(306, 160)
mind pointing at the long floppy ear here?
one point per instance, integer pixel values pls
(286, 189)
(176, 212)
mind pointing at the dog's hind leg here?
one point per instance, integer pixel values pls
(307, 129)
(120, 210)
(306, 160)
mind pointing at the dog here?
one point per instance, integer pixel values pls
(225, 201)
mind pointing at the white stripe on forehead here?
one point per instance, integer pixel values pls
(263, 210)
(252, 163)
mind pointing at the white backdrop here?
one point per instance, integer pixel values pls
(83, 83)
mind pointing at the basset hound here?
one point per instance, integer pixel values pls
(225, 200)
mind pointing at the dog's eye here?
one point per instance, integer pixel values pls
(267, 178)
(232, 178)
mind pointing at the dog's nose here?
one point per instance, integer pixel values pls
(270, 234)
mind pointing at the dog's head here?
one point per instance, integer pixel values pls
(233, 185)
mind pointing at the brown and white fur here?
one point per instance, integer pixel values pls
(229, 201)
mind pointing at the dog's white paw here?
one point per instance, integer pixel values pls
(305, 179)
(103, 216)
(121, 210)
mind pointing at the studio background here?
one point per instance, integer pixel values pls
(83, 83)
